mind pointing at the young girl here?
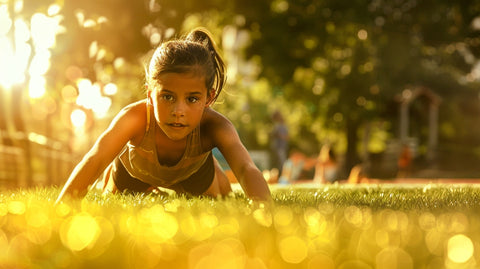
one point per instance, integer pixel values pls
(167, 139)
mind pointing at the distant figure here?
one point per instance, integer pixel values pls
(297, 167)
(271, 175)
(278, 141)
(404, 162)
(327, 167)
(357, 175)
(293, 167)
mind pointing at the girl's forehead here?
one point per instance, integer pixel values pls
(174, 81)
(181, 75)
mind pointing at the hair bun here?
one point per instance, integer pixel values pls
(199, 35)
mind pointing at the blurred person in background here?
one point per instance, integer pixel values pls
(278, 142)
(326, 169)
(404, 161)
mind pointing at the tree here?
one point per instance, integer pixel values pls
(345, 61)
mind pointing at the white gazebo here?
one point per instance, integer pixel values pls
(406, 99)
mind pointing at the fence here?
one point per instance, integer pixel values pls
(12, 166)
(30, 162)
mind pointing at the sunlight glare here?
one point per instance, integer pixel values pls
(36, 87)
(101, 106)
(89, 23)
(93, 49)
(18, 6)
(40, 63)
(44, 30)
(86, 93)
(110, 89)
(5, 21)
(53, 9)
(118, 63)
(90, 97)
(20, 60)
(37, 138)
(22, 33)
(80, 16)
(16, 54)
(11, 64)
(78, 118)
(102, 19)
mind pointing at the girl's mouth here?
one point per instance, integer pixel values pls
(177, 125)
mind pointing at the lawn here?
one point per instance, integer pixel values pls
(331, 226)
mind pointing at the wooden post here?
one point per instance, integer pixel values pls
(404, 120)
(432, 130)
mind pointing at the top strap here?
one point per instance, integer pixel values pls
(148, 117)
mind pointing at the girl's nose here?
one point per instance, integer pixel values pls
(179, 109)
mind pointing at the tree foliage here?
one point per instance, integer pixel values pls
(334, 68)
(346, 61)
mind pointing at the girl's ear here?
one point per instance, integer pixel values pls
(149, 95)
(210, 98)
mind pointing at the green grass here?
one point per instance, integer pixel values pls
(335, 226)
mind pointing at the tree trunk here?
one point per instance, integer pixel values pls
(351, 156)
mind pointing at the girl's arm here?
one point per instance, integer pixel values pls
(127, 125)
(248, 175)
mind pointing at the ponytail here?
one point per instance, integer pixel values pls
(202, 36)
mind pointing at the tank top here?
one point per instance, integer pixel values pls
(141, 161)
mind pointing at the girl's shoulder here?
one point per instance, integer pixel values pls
(134, 110)
(136, 106)
(216, 127)
(213, 119)
(134, 117)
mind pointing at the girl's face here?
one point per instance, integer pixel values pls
(179, 101)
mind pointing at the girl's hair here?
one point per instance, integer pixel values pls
(197, 53)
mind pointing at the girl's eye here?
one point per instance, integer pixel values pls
(167, 97)
(193, 99)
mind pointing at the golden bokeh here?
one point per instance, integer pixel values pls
(80, 232)
(148, 232)
(292, 249)
(460, 248)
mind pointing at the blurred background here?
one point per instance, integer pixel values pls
(367, 78)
